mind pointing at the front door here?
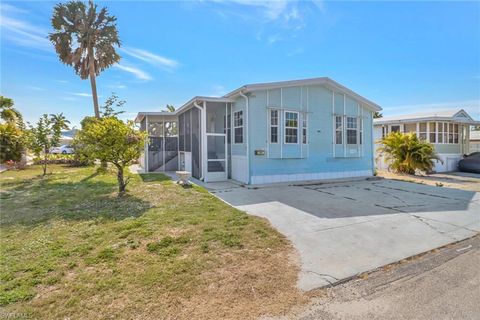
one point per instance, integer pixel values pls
(216, 157)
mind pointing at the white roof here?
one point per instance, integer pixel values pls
(457, 115)
(327, 82)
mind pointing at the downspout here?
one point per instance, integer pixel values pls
(195, 104)
(247, 135)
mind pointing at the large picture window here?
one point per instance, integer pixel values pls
(274, 126)
(291, 127)
(338, 130)
(352, 130)
(238, 127)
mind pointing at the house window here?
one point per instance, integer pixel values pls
(455, 133)
(291, 127)
(384, 131)
(338, 130)
(450, 133)
(238, 126)
(274, 126)
(410, 127)
(304, 129)
(351, 130)
(395, 128)
(422, 130)
(440, 132)
(360, 134)
(433, 135)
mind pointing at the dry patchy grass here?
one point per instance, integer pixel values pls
(71, 249)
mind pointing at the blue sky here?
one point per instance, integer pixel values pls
(406, 56)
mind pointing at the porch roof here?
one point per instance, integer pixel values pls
(142, 115)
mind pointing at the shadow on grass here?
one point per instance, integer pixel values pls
(154, 177)
(33, 202)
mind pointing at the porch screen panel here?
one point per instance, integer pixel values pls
(196, 171)
(188, 132)
(155, 146)
(171, 146)
(181, 132)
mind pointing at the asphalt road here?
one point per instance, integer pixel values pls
(443, 284)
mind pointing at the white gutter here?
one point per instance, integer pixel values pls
(195, 104)
(247, 135)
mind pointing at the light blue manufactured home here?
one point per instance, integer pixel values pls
(296, 130)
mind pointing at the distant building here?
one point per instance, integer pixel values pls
(448, 131)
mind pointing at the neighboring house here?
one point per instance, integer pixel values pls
(474, 141)
(447, 130)
(262, 133)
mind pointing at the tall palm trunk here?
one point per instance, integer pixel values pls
(93, 82)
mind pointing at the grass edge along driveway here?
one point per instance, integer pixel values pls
(71, 248)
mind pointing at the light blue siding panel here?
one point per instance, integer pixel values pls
(291, 98)
(338, 103)
(351, 106)
(274, 99)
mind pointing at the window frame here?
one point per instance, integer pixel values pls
(236, 126)
(339, 129)
(305, 129)
(347, 129)
(285, 127)
(277, 126)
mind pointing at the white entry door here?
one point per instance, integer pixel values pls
(216, 157)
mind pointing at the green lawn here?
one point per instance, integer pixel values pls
(71, 248)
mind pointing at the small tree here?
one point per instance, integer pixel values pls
(46, 135)
(12, 131)
(108, 110)
(113, 141)
(405, 153)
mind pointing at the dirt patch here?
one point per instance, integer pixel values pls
(456, 180)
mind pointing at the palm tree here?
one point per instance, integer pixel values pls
(405, 153)
(59, 122)
(86, 40)
(170, 108)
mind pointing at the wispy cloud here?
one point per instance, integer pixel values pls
(21, 32)
(83, 94)
(151, 58)
(286, 16)
(117, 86)
(36, 88)
(218, 91)
(140, 74)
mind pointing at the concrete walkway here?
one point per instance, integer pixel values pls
(346, 228)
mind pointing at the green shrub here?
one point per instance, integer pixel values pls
(405, 153)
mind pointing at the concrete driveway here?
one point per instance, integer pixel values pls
(345, 228)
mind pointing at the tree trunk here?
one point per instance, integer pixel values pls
(45, 159)
(121, 181)
(93, 82)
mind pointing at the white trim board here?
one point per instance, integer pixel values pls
(309, 176)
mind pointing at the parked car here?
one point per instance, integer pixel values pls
(470, 163)
(64, 149)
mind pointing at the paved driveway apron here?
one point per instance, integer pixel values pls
(346, 228)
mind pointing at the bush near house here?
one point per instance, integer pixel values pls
(405, 153)
(72, 249)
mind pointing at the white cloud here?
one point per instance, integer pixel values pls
(82, 94)
(151, 58)
(118, 86)
(21, 32)
(140, 74)
(36, 88)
